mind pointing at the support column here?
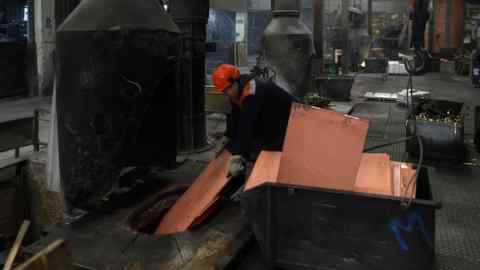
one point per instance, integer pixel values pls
(346, 27)
(192, 18)
(31, 66)
(318, 13)
(45, 42)
(370, 18)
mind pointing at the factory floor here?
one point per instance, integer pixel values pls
(456, 186)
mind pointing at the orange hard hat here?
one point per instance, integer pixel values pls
(224, 76)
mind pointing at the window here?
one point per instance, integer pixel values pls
(25, 13)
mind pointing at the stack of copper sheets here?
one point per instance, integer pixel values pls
(322, 149)
(377, 175)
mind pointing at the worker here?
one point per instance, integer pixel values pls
(419, 15)
(260, 113)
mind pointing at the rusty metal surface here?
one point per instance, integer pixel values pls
(265, 170)
(202, 194)
(322, 149)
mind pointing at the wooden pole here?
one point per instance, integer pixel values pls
(16, 246)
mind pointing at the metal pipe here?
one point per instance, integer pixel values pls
(370, 17)
(346, 46)
(192, 18)
(319, 6)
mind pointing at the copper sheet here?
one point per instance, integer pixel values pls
(403, 174)
(322, 149)
(408, 191)
(265, 170)
(397, 178)
(198, 198)
(375, 175)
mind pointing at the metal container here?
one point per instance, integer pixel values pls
(116, 93)
(192, 18)
(337, 88)
(288, 47)
(309, 228)
(442, 140)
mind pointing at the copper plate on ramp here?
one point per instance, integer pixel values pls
(201, 195)
(322, 149)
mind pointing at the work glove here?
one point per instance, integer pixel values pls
(236, 167)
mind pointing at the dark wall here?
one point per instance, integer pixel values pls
(12, 10)
(221, 32)
(63, 8)
(257, 22)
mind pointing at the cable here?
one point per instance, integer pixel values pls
(406, 139)
(412, 184)
(414, 179)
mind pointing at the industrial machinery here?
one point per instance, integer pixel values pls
(288, 47)
(192, 18)
(116, 95)
(354, 41)
(359, 40)
(351, 37)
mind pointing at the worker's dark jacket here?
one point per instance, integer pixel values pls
(419, 16)
(262, 118)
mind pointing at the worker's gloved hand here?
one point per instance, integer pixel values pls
(237, 166)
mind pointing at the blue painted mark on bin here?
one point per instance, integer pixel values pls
(414, 223)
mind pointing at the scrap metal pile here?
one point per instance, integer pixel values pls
(440, 124)
(432, 114)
